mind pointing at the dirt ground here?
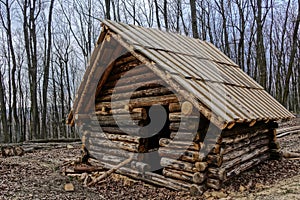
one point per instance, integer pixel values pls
(38, 175)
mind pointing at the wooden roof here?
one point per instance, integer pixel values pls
(212, 82)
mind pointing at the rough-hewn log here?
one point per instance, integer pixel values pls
(132, 147)
(245, 129)
(197, 190)
(135, 69)
(135, 94)
(247, 165)
(140, 102)
(174, 107)
(241, 137)
(187, 108)
(201, 166)
(247, 156)
(101, 151)
(225, 149)
(186, 136)
(178, 116)
(140, 166)
(214, 183)
(217, 173)
(184, 125)
(165, 142)
(187, 155)
(131, 80)
(117, 137)
(135, 114)
(244, 149)
(215, 160)
(177, 164)
(185, 176)
(132, 87)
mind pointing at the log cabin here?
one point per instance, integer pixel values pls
(188, 116)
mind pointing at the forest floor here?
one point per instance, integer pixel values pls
(38, 175)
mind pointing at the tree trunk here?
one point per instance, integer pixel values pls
(46, 73)
(292, 58)
(194, 19)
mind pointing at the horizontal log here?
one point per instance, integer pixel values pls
(215, 160)
(244, 149)
(140, 166)
(187, 155)
(225, 149)
(132, 87)
(165, 142)
(185, 176)
(134, 69)
(114, 122)
(174, 107)
(246, 165)
(113, 152)
(177, 164)
(140, 102)
(197, 190)
(135, 114)
(104, 158)
(214, 183)
(186, 136)
(133, 79)
(241, 137)
(178, 116)
(132, 147)
(184, 125)
(245, 129)
(159, 91)
(217, 173)
(117, 137)
(247, 156)
(201, 166)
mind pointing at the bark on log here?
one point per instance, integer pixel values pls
(135, 94)
(140, 102)
(225, 149)
(214, 183)
(241, 137)
(174, 107)
(186, 136)
(288, 154)
(132, 147)
(165, 142)
(185, 176)
(247, 156)
(197, 190)
(126, 88)
(132, 80)
(244, 149)
(140, 166)
(117, 137)
(246, 165)
(178, 116)
(201, 166)
(184, 125)
(177, 164)
(217, 173)
(189, 156)
(215, 160)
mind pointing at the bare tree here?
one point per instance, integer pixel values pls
(194, 19)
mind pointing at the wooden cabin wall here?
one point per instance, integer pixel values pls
(240, 149)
